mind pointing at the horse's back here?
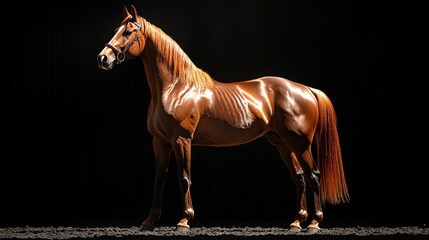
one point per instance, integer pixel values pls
(261, 105)
(263, 97)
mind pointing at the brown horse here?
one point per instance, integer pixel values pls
(189, 108)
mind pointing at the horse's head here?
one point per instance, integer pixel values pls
(127, 43)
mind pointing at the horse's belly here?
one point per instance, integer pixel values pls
(215, 132)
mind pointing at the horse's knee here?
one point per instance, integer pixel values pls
(185, 183)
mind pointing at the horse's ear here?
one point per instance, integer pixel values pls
(125, 12)
(134, 13)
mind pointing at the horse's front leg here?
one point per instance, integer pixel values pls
(162, 152)
(182, 150)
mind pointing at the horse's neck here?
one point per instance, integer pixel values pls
(158, 74)
(165, 62)
(151, 71)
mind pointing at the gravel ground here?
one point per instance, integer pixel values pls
(410, 232)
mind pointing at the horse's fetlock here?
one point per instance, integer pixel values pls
(303, 215)
(155, 214)
(190, 213)
(318, 216)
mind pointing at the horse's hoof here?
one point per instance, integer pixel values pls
(312, 230)
(146, 227)
(182, 229)
(293, 229)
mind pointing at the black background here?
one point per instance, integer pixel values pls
(77, 151)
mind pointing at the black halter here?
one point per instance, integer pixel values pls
(120, 55)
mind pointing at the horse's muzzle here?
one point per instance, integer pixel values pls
(103, 62)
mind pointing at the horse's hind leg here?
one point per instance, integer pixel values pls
(312, 176)
(162, 156)
(297, 174)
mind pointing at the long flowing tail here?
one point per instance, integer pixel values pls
(333, 187)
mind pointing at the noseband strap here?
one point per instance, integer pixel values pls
(120, 55)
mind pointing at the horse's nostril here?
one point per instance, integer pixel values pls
(101, 59)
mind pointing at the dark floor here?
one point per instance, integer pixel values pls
(254, 232)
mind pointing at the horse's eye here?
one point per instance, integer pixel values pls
(127, 33)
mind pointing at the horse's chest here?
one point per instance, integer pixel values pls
(159, 122)
(164, 123)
